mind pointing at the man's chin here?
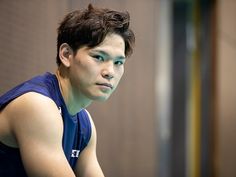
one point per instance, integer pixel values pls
(102, 98)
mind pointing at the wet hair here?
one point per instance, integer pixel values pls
(90, 26)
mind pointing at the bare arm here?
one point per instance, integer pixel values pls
(38, 128)
(87, 164)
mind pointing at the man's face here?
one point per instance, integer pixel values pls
(95, 73)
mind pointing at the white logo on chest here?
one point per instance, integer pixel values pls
(75, 153)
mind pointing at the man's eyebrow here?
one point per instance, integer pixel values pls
(121, 57)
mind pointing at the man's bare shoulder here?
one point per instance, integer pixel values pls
(33, 114)
(31, 103)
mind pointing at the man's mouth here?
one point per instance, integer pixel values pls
(106, 85)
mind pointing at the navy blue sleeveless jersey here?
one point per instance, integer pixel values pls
(77, 129)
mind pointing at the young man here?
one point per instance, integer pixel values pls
(45, 130)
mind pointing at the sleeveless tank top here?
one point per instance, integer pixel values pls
(77, 129)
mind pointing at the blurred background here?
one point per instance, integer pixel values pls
(173, 114)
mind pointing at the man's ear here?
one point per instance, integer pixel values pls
(65, 54)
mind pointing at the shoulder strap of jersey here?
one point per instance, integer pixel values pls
(84, 128)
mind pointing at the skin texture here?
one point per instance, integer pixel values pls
(33, 123)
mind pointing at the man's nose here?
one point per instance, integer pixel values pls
(108, 70)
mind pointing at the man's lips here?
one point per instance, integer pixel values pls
(105, 84)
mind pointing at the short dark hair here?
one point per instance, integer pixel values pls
(90, 27)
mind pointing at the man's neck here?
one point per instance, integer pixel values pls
(74, 101)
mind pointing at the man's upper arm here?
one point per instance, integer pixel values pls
(38, 128)
(87, 164)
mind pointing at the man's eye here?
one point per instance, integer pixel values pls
(119, 63)
(98, 57)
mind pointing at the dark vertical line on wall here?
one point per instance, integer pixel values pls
(214, 101)
(179, 89)
(206, 70)
(208, 76)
